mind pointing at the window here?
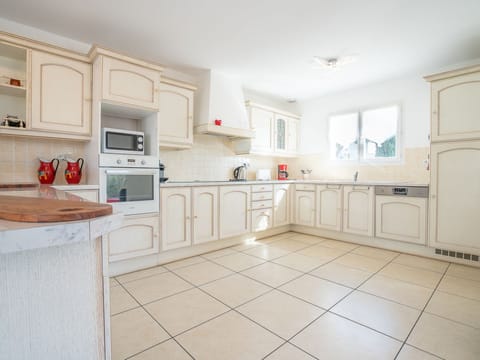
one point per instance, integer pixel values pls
(366, 135)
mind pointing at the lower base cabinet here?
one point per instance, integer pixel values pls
(305, 207)
(175, 209)
(261, 220)
(138, 236)
(234, 210)
(358, 203)
(205, 214)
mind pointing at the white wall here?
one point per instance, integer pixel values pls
(412, 94)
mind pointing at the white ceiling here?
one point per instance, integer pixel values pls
(270, 43)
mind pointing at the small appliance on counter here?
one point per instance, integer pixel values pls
(161, 169)
(240, 173)
(264, 174)
(282, 172)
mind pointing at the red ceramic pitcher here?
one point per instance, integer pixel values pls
(47, 171)
(73, 172)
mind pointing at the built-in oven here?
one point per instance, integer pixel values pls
(130, 184)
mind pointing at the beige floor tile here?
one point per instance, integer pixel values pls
(396, 290)
(422, 263)
(239, 261)
(336, 244)
(316, 291)
(134, 331)
(445, 338)
(185, 262)
(464, 272)
(332, 337)
(156, 287)
(289, 245)
(413, 275)
(462, 287)
(269, 240)
(342, 274)
(280, 313)
(308, 239)
(271, 274)
(289, 352)
(202, 273)
(247, 245)
(266, 252)
(113, 282)
(183, 311)
(455, 308)
(120, 300)
(230, 336)
(300, 262)
(374, 252)
(219, 253)
(360, 262)
(168, 350)
(410, 353)
(322, 252)
(236, 289)
(141, 274)
(382, 315)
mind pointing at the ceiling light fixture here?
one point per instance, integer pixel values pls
(333, 62)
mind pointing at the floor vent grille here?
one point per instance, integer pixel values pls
(457, 254)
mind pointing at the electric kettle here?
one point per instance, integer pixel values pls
(240, 173)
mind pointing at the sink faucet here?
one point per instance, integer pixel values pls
(355, 176)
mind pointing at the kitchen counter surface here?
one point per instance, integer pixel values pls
(256, 182)
(19, 236)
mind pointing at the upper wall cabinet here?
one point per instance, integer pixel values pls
(456, 105)
(61, 94)
(175, 128)
(275, 131)
(127, 81)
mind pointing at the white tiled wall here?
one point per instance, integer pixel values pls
(19, 157)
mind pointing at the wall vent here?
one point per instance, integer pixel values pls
(457, 254)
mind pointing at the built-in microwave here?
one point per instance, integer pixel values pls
(120, 141)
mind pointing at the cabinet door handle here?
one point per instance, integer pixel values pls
(195, 217)
(187, 217)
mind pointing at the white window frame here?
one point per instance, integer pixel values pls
(399, 138)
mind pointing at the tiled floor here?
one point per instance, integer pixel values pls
(296, 296)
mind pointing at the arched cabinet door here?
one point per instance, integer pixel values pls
(175, 212)
(305, 207)
(234, 210)
(175, 126)
(456, 108)
(358, 210)
(281, 204)
(61, 94)
(130, 84)
(205, 214)
(329, 207)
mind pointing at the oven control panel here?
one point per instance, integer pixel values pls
(128, 161)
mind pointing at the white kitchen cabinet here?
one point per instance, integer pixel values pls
(329, 207)
(234, 210)
(292, 135)
(61, 94)
(455, 196)
(455, 105)
(261, 121)
(401, 218)
(130, 84)
(175, 127)
(205, 214)
(261, 219)
(175, 209)
(138, 236)
(280, 133)
(281, 204)
(358, 209)
(305, 207)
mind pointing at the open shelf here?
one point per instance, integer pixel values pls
(12, 90)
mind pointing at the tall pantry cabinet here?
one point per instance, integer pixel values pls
(455, 161)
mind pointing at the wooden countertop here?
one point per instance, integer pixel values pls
(27, 209)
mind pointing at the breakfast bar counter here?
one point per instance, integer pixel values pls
(53, 282)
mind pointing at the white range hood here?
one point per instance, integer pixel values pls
(220, 96)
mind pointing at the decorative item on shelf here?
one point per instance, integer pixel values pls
(218, 122)
(47, 170)
(306, 173)
(12, 121)
(15, 82)
(73, 172)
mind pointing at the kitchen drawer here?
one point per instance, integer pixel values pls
(262, 204)
(305, 187)
(262, 196)
(263, 187)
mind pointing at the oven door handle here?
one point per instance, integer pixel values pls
(131, 172)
